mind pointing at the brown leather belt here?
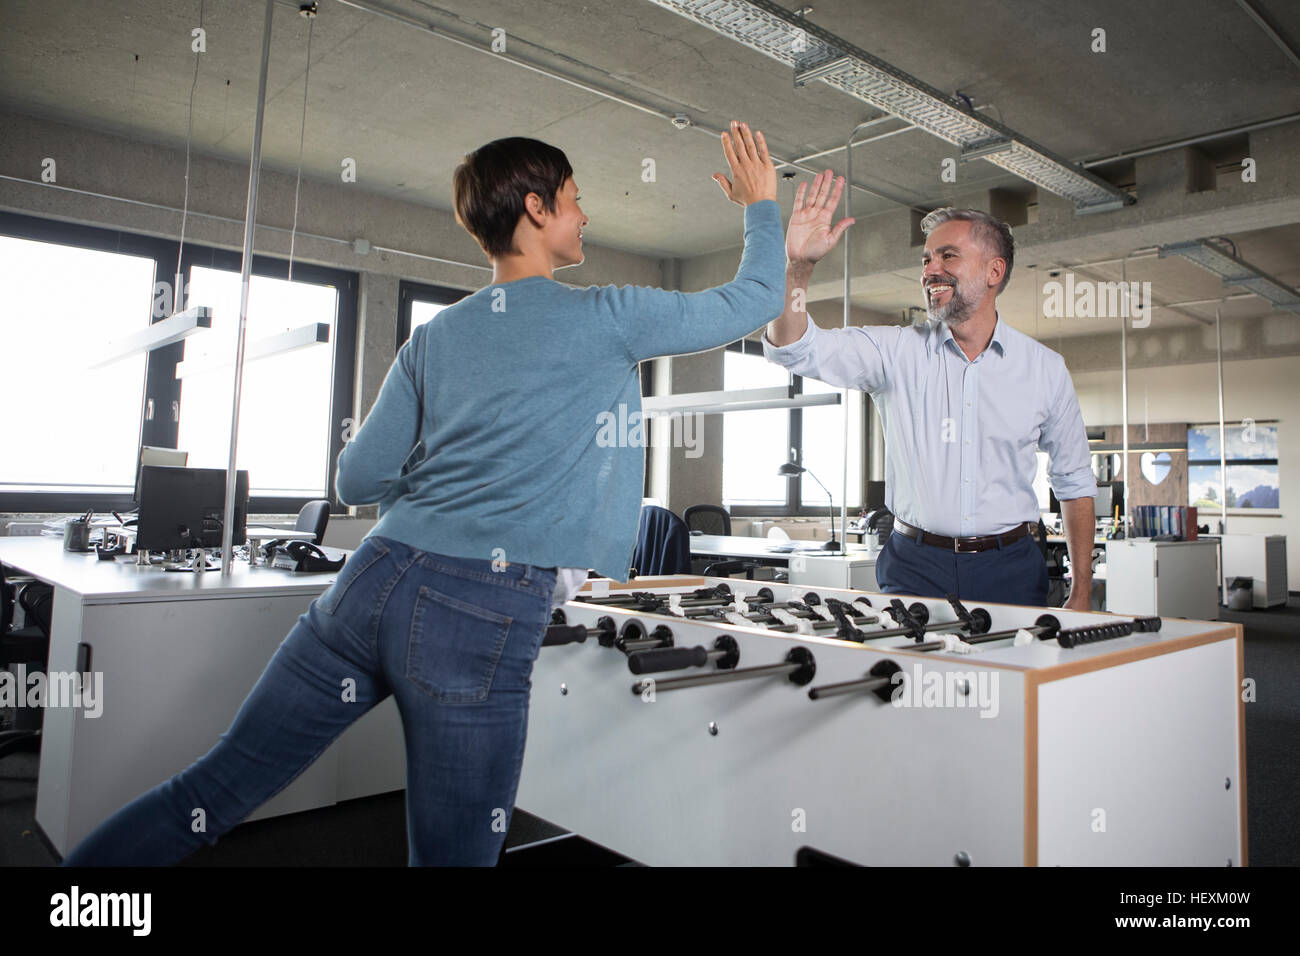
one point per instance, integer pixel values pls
(962, 545)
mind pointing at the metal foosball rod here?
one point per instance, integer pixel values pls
(879, 681)
(633, 637)
(915, 621)
(637, 597)
(1047, 627)
(798, 667)
(777, 616)
(761, 606)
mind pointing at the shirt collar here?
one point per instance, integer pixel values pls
(944, 335)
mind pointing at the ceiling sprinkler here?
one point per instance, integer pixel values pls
(681, 121)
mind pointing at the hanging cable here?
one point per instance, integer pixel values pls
(178, 292)
(307, 10)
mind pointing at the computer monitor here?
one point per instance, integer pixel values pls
(186, 507)
(155, 455)
(875, 495)
(1102, 503)
(1117, 497)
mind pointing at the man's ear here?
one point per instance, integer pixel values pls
(996, 270)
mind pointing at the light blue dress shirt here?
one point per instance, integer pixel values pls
(960, 437)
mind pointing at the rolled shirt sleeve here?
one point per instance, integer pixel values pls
(1065, 440)
(857, 357)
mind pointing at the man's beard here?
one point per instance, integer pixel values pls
(955, 311)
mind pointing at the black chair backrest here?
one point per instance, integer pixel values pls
(314, 517)
(6, 603)
(37, 600)
(711, 519)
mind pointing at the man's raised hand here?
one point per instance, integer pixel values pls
(753, 177)
(809, 235)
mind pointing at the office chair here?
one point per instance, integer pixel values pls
(708, 519)
(314, 517)
(1055, 568)
(25, 645)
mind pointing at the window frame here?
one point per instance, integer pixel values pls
(410, 292)
(793, 507)
(161, 385)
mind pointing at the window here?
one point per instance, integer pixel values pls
(66, 291)
(757, 443)
(284, 421)
(823, 447)
(754, 444)
(70, 428)
(418, 303)
(1251, 457)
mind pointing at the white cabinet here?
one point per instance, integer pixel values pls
(1168, 578)
(856, 570)
(1258, 556)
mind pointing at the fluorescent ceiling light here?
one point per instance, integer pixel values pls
(816, 54)
(299, 338)
(165, 332)
(1234, 271)
(742, 400)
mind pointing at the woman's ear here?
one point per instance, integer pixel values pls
(535, 210)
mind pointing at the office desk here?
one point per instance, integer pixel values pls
(810, 566)
(178, 653)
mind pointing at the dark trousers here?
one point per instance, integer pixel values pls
(1014, 574)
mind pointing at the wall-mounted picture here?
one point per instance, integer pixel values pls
(1252, 478)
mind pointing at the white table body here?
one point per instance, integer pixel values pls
(177, 654)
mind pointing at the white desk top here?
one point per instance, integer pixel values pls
(120, 581)
(740, 546)
(266, 534)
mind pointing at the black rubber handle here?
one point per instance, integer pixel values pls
(667, 659)
(564, 634)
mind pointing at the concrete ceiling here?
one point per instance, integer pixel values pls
(406, 104)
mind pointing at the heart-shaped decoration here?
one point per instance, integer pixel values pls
(1155, 467)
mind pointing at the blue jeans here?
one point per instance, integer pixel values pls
(450, 638)
(1011, 574)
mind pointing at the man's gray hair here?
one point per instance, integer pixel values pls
(993, 233)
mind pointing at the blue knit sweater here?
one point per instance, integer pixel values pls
(502, 409)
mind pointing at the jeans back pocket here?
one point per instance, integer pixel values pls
(454, 647)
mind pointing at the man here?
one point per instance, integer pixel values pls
(965, 400)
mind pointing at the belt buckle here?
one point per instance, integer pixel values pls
(958, 549)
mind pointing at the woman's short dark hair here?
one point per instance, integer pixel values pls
(490, 185)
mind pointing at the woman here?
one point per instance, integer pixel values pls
(446, 602)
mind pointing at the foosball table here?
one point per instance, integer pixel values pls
(712, 721)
